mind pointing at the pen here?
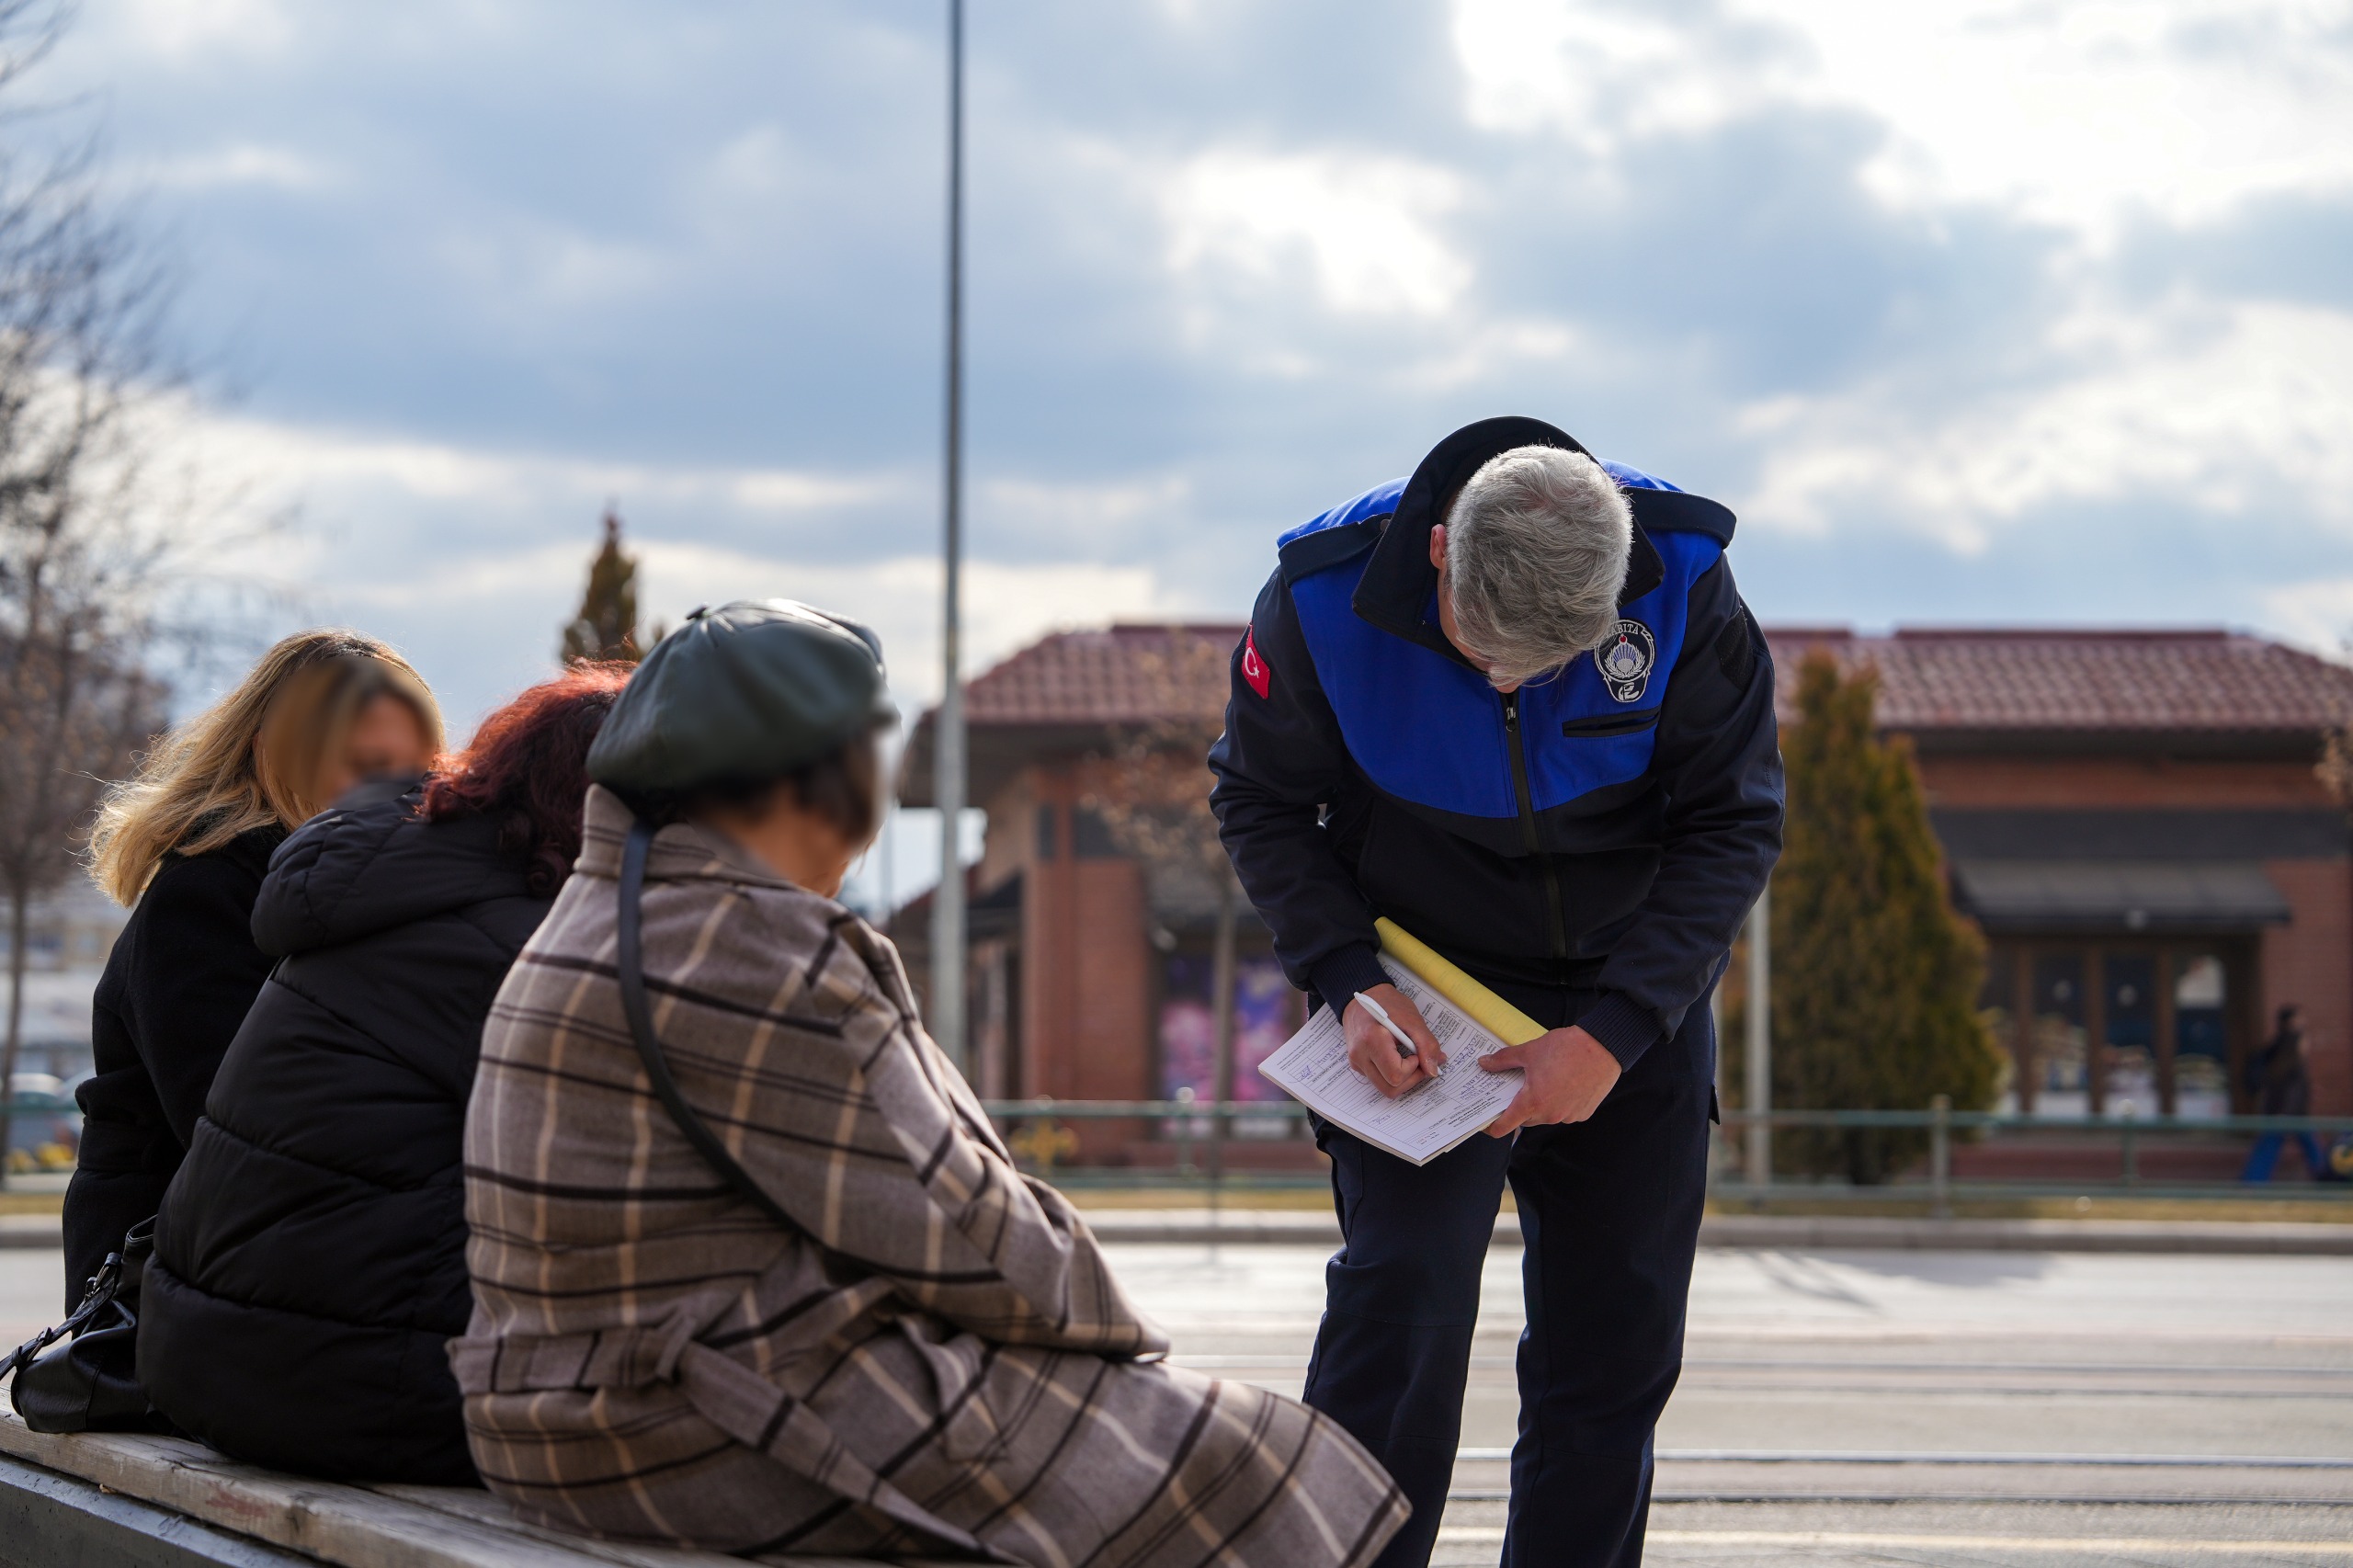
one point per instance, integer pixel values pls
(1405, 1040)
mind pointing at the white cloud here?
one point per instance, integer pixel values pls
(1496, 346)
(757, 164)
(1599, 74)
(471, 584)
(2319, 614)
(524, 261)
(239, 163)
(465, 535)
(293, 462)
(1005, 605)
(2222, 407)
(2081, 113)
(2077, 115)
(178, 30)
(1359, 228)
(1076, 515)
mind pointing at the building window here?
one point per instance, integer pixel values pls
(2131, 1023)
(1090, 837)
(2202, 1051)
(2061, 1061)
(1049, 833)
(2117, 1026)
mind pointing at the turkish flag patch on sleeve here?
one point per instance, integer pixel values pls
(1253, 669)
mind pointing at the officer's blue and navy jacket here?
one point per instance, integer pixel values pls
(1605, 830)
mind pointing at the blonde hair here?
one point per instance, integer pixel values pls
(253, 760)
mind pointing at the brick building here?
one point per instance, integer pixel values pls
(2134, 818)
(1090, 967)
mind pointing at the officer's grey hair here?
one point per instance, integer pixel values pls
(1536, 551)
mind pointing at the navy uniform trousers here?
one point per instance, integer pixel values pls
(1610, 1212)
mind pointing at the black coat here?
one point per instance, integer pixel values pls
(310, 1261)
(2284, 1086)
(177, 986)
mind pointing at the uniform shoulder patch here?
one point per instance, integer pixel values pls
(1253, 669)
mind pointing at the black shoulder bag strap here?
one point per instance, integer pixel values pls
(631, 960)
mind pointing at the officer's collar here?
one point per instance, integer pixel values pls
(1396, 589)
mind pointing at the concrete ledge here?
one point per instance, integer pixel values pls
(1248, 1227)
(44, 1231)
(1810, 1233)
(353, 1527)
(1829, 1232)
(1304, 1227)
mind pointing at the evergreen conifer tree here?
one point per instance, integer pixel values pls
(1875, 976)
(605, 627)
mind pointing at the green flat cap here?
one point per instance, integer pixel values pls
(743, 692)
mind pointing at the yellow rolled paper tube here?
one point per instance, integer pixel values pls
(1494, 1014)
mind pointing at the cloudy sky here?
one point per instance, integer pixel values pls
(1973, 310)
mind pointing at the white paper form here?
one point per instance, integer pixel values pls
(1427, 1120)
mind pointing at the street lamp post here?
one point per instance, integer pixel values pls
(947, 900)
(1758, 1092)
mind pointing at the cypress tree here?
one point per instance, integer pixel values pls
(605, 627)
(1875, 976)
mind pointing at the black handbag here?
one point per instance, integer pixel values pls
(91, 1384)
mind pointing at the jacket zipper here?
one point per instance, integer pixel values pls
(1527, 830)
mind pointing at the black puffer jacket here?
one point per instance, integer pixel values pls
(310, 1260)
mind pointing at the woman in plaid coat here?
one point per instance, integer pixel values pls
(887, 1341)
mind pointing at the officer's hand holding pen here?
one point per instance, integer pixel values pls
(1373, 1051)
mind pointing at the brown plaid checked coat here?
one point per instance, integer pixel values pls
(937, 1360)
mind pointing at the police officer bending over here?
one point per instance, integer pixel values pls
(1516, 704)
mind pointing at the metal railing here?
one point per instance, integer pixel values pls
(2131, 1134)
(1035, 1131)
(1190, 1125)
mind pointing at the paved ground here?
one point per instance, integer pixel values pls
(32, 1294)
(1876, 1359)
(1880, 1357)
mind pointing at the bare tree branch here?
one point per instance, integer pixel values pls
(87, 559)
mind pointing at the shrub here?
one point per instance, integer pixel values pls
(1875, 975)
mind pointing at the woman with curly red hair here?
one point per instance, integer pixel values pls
(310, 1256)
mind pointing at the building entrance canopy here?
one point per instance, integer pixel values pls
(2120, 895)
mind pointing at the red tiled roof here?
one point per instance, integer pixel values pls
(1069, 690)
(2074, 680)
(1126, 674)
(1957, 679)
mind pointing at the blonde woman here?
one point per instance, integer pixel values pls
(186, 841)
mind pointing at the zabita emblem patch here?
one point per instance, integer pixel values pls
(1625, 660)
